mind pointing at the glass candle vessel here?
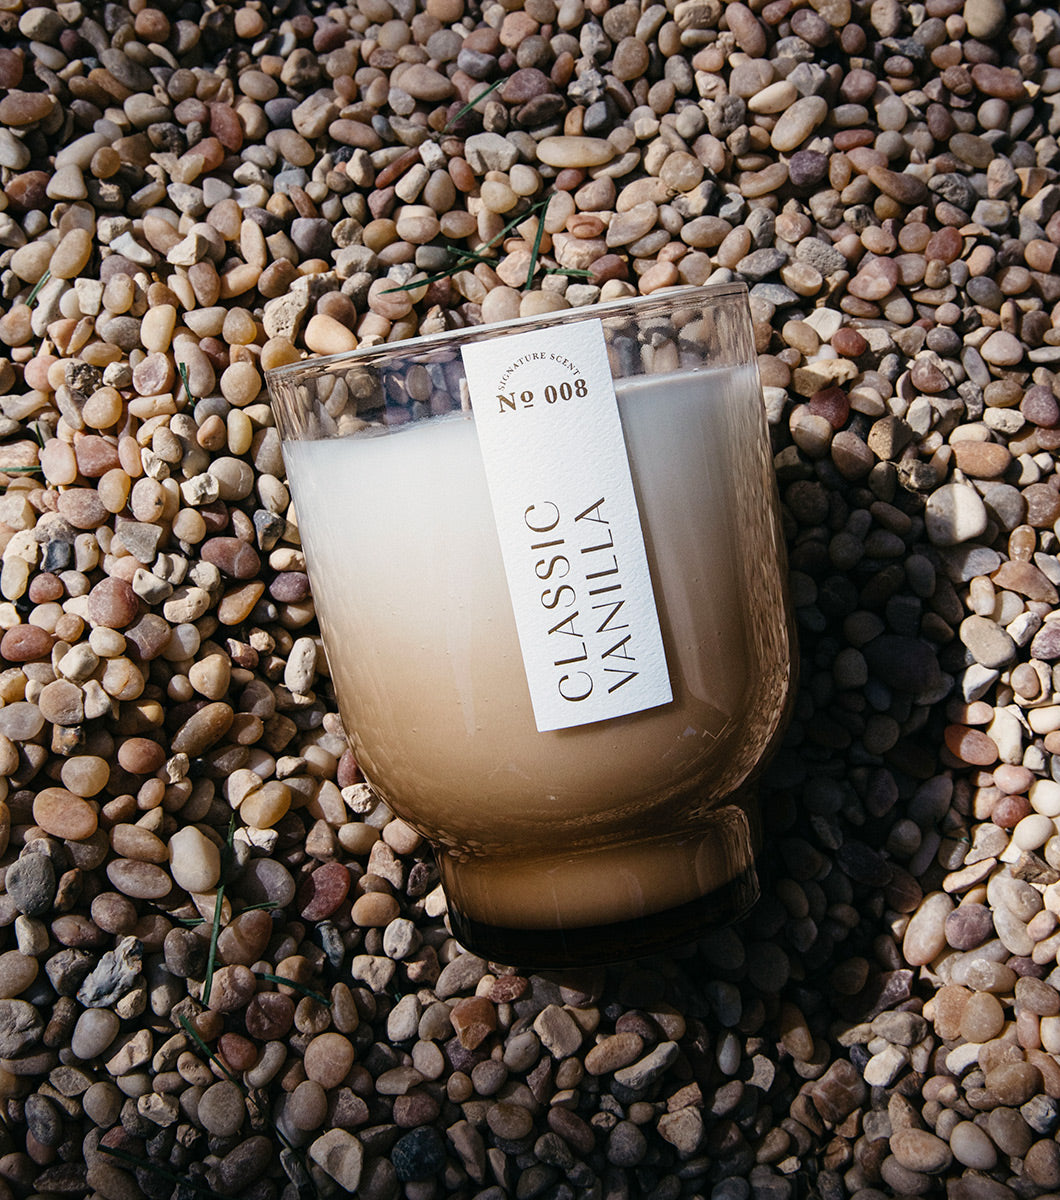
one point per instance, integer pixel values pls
(550, 579)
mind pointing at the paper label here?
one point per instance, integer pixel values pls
(559, 479)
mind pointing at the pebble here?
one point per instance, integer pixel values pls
(195, 860)
(221, 1109)
(339, 1155)
(954, 514)
(31, 884)
(567, 152)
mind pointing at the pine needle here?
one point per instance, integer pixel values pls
(135, 1160)
(211, 1056)
(183, 368)
(193, 922)
(299, 987)
(31, 298)
(470, 105)
(215, 932)
(535, 251)
(466, 257)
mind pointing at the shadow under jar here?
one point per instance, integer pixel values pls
(548, 569)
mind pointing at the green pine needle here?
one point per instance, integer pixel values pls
(299, 987)
(215, 932)
(466, 257)
(193, 922)
(210, 1055)
(31, 298)
(199, 1185)
(470, 105)
(535, 251)
(183, 368)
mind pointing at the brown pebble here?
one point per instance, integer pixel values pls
(269, 1016)
(375, 909)
(232, 988)
(970, 745)
(20, 108)
(140, 756)
(328, 1059)
(64, 815)
(83, 508)
(113, 604)
(982, 460)
(474, 1019)
(202, 729)
(848, 342)
(25, 643)
(231, 556)
(1014, 1083)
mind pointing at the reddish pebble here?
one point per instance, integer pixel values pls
(11, 68)
(239, 1052)
(927, 377)
(225, 127)
(875, 280)
(290, 587)
(848, 343)
(347, 772)
(524, 84)
(320, 893)
(141, 756)
(233, 988)
(232, 557)
(25, 643)
(608, 266)
(328, 1059)
(211, 151)
(1008, 811)
(474, 1019)
(569, 178)
(28, 190)
(506, 988)
(149, 635)
(95, 456)
(112, 603)
(269, 1016)
(1043, 505)
(982, 460)
(832, 404)
(45, 587)
(970, 745)
(25, 108)
(944, 246)
(1040, 406)
(1003, 82)
(415, 1108)
(245, 938)
(83, 508)
(64, 815)
(850, 139)
(1027, 580)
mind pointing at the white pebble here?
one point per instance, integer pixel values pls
(194, 860)
(1033, 831)
(1044, 795)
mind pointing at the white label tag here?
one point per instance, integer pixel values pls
(555, 458)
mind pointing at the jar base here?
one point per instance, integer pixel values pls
(597, 945)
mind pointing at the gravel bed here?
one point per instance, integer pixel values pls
(192, 193)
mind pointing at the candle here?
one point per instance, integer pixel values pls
(598, 823)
